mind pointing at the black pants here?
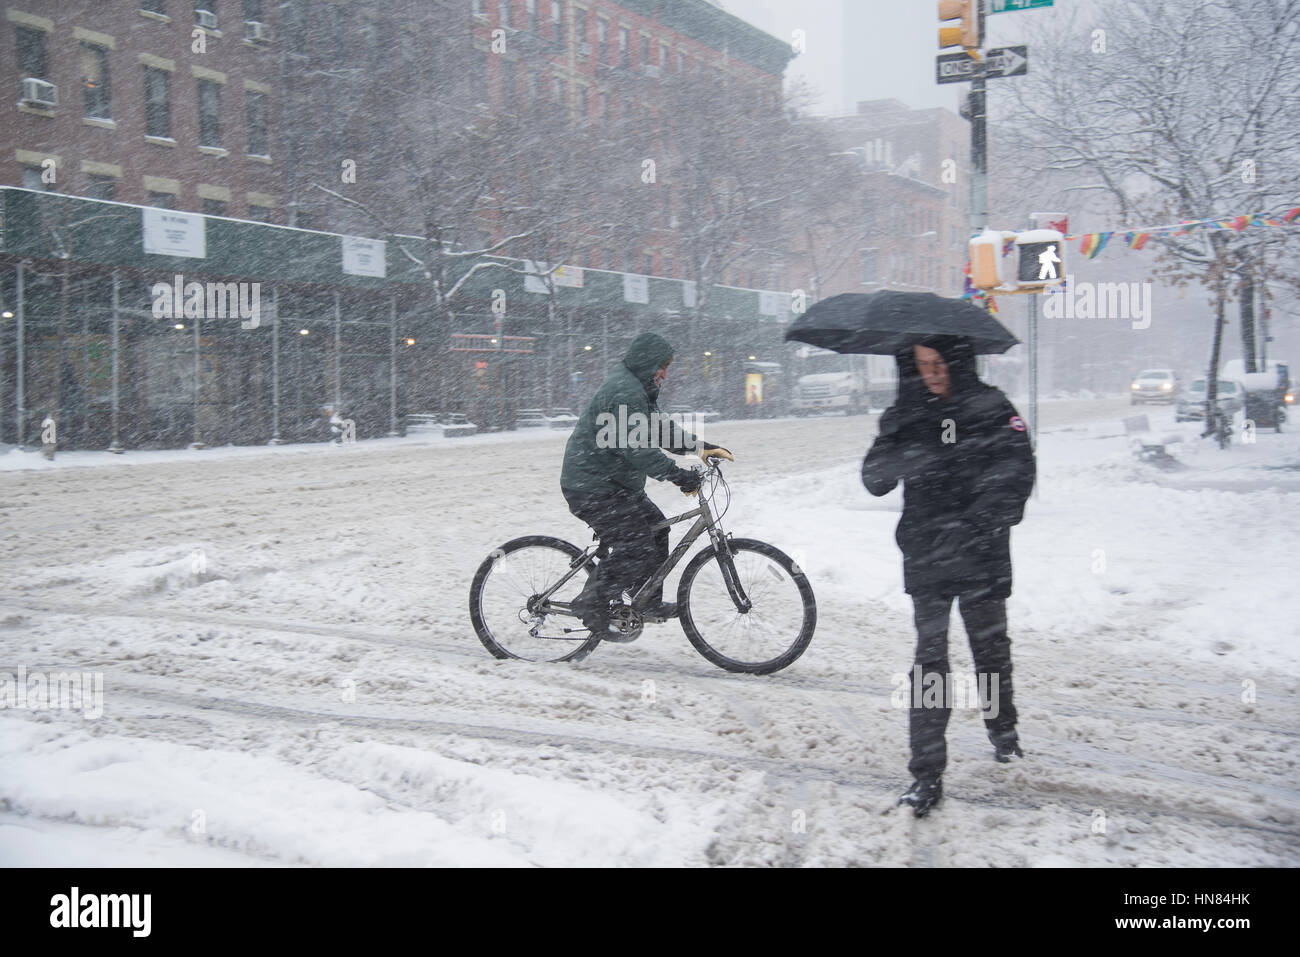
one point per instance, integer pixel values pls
(986, 626)
(624, 524)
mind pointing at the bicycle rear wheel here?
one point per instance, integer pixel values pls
(772, 633)
(504, 603)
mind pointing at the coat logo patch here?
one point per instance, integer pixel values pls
(1018, 423)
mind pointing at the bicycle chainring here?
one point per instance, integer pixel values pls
(627, 620)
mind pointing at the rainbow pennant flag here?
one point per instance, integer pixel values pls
(1290, 215)
(1137, 240)
(1093, 243)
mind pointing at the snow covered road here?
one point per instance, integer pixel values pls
(290, 677)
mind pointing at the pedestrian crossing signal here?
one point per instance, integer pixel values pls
(1040, 261)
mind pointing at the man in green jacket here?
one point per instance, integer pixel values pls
(614, 446)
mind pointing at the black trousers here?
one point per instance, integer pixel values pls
(986, 626)
(624, 523)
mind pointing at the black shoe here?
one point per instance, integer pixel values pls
(1005, 749)
(665, 609)
(923, 795)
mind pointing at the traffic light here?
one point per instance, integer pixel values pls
(986, 260)
(1040, 262)
(966, 33)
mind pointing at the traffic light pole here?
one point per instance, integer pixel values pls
(979, 191)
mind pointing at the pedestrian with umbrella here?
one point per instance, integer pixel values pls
(966, 463)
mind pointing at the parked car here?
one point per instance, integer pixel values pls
(531, 419)
(1154, 385)
(562, 418)
(1230, 397)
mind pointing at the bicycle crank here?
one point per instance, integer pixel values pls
(625, 625)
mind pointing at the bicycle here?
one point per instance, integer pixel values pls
(744, 604)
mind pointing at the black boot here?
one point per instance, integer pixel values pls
(924, 794)
(1005, 747)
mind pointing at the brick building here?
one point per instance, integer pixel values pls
(160, 102)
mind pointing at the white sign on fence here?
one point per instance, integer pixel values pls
(169, 233)
(636, 289)
(364, 257)
(570, 276)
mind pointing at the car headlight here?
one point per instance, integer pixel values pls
(1165, 387)
(1134, 386)
(1289, 398)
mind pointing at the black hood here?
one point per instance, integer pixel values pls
(957, 352)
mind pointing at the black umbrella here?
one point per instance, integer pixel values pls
(887, 322)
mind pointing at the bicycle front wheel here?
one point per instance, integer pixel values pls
(505, 601)
(779, 623)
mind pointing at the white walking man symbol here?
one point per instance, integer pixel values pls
(1047, 261)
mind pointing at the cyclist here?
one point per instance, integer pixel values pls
(612, 450)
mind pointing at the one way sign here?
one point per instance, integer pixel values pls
(998, 62)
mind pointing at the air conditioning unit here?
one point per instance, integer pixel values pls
(206, 19)
(39, 92)
(651, 70)
(584, 48)
(257, 32)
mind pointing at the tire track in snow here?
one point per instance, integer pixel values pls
(877, 784)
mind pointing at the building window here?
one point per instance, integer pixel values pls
(530, 11)
(253, 10)
(645, 49)
(260, 214)
(622, 46)
(295, 26)
(557, 12)
(870, 269)
(101, 187)
(32, 179)
(157, 110)
(255, 105)
(154, 6)
(209, 6)
(602, 105)
(209, 113)
(505, 6)
(602, 40)
(31, 53)
(94, 81)
(583, 105)
(476, 8)
(162, 200)
(214, 207)
(508, 81)
(579, 27)
(557, 90)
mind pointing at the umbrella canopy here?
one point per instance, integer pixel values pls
(887, 322)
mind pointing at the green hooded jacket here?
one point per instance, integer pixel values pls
(616, 442)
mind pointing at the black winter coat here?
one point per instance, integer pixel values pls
(967, 468)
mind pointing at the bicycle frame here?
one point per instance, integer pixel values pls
(705, 523)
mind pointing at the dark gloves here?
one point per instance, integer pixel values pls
(686, 480)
